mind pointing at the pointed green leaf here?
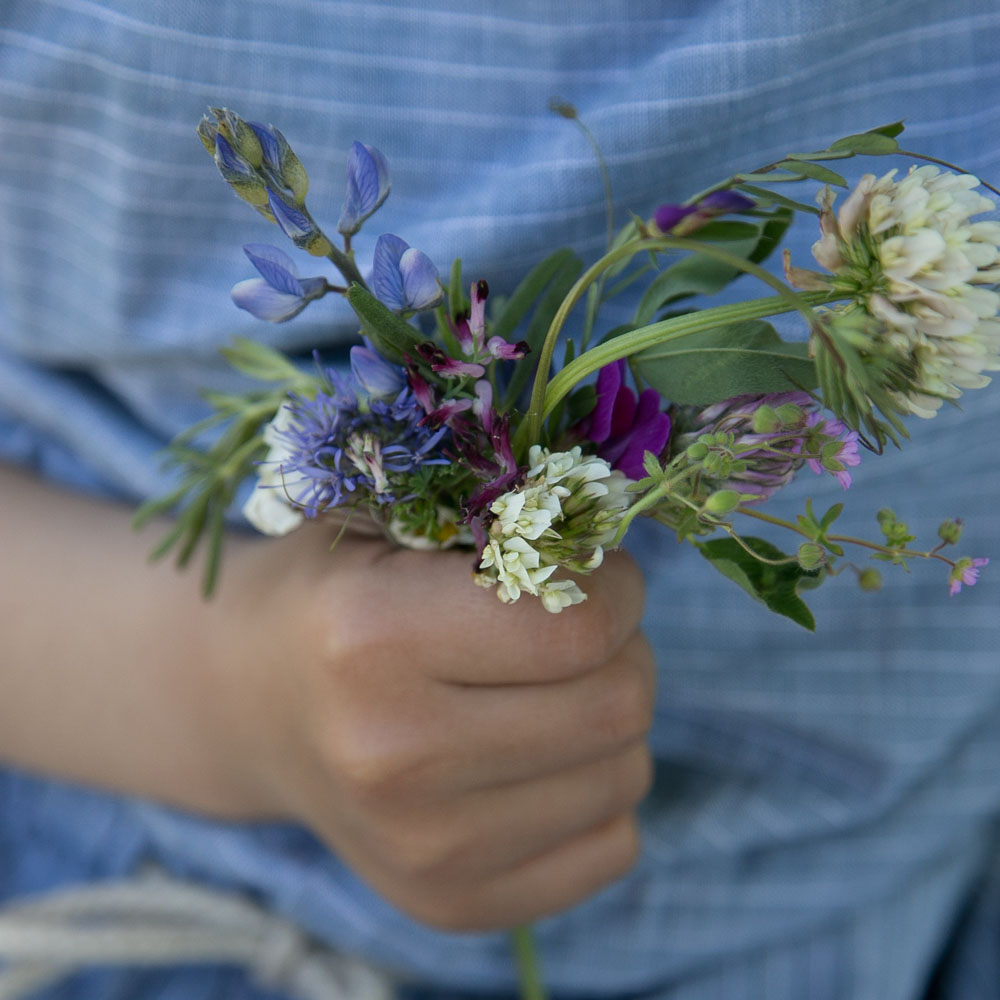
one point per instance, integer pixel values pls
(775, 586)
(815, 171)
(876, 142)
(727, 361)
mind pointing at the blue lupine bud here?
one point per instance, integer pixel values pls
(281, 162)
(298, 225)
(404, 278)
(375, 375)
(238, 173)
(367, 186)
(279, 294)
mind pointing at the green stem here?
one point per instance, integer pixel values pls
(847, 539)
(529, 972)
(544, 395)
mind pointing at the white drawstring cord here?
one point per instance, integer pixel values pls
(155, 920)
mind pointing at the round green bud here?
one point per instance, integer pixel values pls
(950, 531)
(765, 420)
(811, 556)
(722, 502)
(697, 451)
(790, 415)
(870, 580)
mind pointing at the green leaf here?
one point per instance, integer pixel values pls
(875, 142)
(699, 274)
(559, 279)
(815, 171)
(777, 587)
(747, 357)
(778, 199)
(727, 230)
(391, 334)
(531, 287)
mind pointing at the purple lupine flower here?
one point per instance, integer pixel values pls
(367, 186)
(623, 427)
(295, 223)
(280, 164)
(376, 376)
(341, 452)
(279, 294)
(681, 220)
(404, 278)
(964, 572)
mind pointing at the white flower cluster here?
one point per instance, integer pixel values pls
(908, 253)
(269, 508)
(563, 515)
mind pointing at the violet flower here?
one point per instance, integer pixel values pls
(367, 186)
(965, 571)
(279, 294)
(404, 278)
(623, 427)
(681, 220)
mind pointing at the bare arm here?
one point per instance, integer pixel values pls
(478, 764)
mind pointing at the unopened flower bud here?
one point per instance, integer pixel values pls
(722, 502)
(765, 420)
(811, 556)
(697, 451)
(870, 580)
(950, 531)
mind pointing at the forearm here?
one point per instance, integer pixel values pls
(112, 670)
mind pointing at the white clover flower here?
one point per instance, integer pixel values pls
(562, 516)
(907, 253)
(269, 508)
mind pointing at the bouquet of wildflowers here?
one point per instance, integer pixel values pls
(467, 421)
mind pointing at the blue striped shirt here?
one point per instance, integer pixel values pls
(826, 806)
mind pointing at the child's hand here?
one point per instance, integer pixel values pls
(478, 764)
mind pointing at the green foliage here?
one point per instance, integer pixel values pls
(544, 288)
(390, 334)
(747, 357)
(765, 572)
(699, 274)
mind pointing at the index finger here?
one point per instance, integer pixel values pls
(479, 640)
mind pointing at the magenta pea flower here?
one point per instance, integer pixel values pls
(404, 278)
(279, 293)
(622, 426)
(965, 572)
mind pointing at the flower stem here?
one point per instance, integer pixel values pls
(545, 394)
(529, 972)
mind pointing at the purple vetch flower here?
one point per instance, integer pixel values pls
(965, 572)
(681, 220)
(404, 278)
(470, 332)
(624, 427)
(767, 454)
(279, 294)
(367, 186)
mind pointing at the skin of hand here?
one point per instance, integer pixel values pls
(478, 764)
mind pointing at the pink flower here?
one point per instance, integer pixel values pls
(965, 571)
